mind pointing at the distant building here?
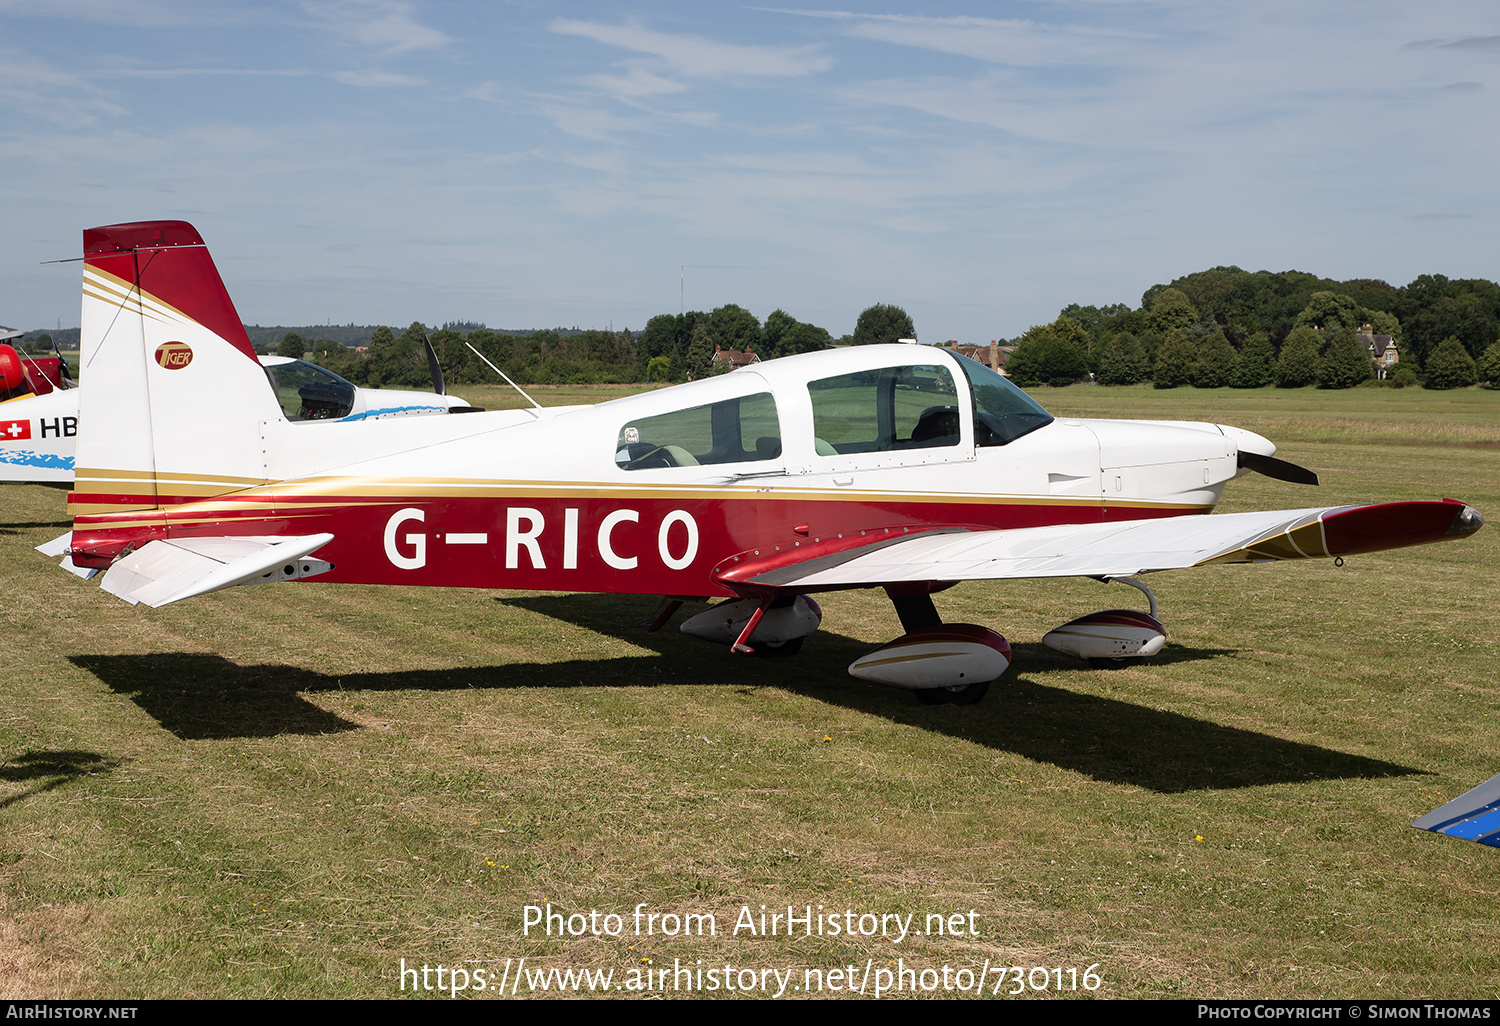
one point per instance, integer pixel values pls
(992, 356)
(1382, 349)
(734, 357)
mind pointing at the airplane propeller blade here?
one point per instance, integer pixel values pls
(437, 371)
(1281, 470)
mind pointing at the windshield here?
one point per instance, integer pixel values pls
(1002, 412)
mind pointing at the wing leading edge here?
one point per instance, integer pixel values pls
(1100, 550)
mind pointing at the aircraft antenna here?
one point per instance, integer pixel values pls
(500, 372)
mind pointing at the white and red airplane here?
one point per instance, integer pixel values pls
(898, 466)
(39, 422)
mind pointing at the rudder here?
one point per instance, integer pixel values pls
(172, 396)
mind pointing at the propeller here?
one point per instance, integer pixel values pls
(437, 371)
(1281, 470)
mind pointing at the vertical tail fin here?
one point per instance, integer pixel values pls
(172, 394)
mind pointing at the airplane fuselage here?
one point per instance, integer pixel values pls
(654, 493)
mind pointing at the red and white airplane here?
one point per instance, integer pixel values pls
(902, 467)
(39, 417)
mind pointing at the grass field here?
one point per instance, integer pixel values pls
(279, 792)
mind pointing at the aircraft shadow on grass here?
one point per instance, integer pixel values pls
(51, 769)
(29, 525)
(199, 696)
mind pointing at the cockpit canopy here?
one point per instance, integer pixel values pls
(307, 391)
(906, 404)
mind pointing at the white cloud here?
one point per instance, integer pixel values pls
(694, 57)
(135, 13)
(573, 116)
(137, 72)
(388, 26)
(40, 90)
(636, 82)
(376, 79)
(994, 40)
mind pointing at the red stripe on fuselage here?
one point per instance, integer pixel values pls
(529, 542)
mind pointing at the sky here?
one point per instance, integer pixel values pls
(533, 165)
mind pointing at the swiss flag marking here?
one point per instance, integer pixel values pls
(15, 430)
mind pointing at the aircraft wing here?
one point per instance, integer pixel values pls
(171, 570)
(1106, 550)
(1473, 815)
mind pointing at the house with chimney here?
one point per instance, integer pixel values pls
(734, 358)
(1382, 349)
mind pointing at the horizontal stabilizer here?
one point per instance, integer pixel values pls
(160, 572)
(57, 546)
(1472, 816)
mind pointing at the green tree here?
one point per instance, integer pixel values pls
(1217, 362)
(778, 323)
(1257, 363)
(291, 345)
(1174, 360)
(1049, 354)
(1300, 359)
(733, 327)
(883, 323)
(336, 357)
(659, 368)
(804, 338)
(1070, 331)
(1347, 362)
(1331, 311)
(381, 336)
(1383, 323)
(700, 353)
(1450, 366)
(1122, 361)
(1171, 310)
(1488, 367)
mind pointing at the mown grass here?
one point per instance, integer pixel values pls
(278, 792)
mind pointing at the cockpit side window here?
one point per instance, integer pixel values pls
(742, 430)
(308, 392)
(912, 407)
(1002, 412)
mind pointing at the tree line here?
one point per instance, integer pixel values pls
(671, 347)
(1228, 327)
(1215, 328)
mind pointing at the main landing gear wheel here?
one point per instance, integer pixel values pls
(1115, 664)
(776, 649)
(962, 694)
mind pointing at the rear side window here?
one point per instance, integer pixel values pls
(742, 430)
